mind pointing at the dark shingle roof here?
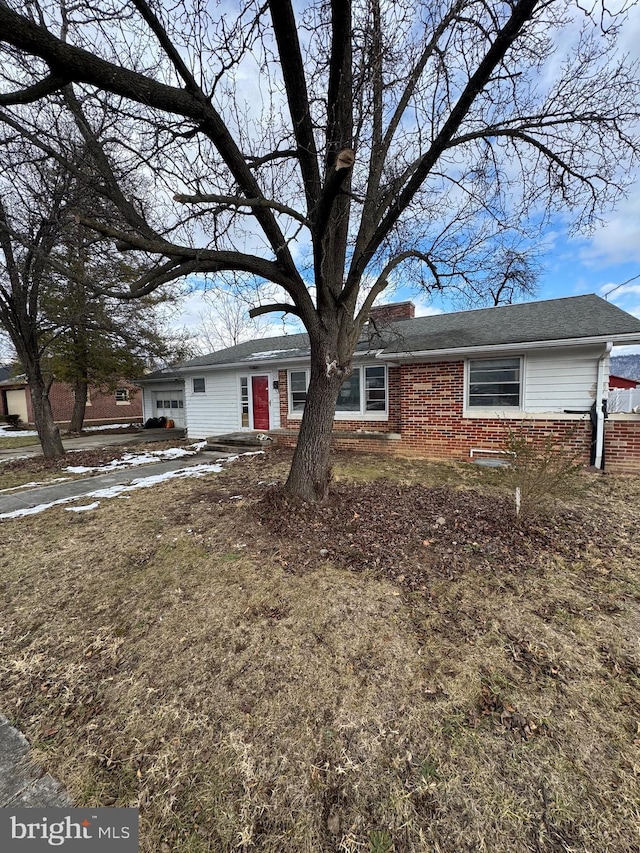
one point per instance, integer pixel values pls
(552, 320)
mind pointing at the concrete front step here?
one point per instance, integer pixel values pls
(238, 442)
(217, 447)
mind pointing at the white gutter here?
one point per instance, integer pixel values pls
(600, 383)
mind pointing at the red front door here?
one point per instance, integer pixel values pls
(260, 397)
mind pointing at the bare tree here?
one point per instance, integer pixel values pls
(331, 145)
(225, 320)
(28, 234)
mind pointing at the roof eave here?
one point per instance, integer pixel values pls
(271, 363)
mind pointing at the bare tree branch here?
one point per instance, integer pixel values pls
(232, 201)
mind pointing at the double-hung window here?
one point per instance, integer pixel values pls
(494, 383)
(363, 393)
(298, 384)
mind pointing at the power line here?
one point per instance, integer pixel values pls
(621, 285)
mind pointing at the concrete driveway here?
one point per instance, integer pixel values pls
(93, 441)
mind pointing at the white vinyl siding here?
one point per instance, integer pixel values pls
(219, 410)
(166, 390)
(560, 380)
(214, 412)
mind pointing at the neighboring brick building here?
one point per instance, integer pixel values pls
(445, 386)
(123, 405)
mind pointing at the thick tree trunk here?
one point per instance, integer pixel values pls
(311, 466)
(48, 432)
(80, 389)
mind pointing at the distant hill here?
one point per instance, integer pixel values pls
(626, 365)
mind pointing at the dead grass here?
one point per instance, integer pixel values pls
(9, 441)
(168, 651)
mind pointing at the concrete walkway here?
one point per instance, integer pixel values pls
(21, 499)
(22, 783)
(72, 489)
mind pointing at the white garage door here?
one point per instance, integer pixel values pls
(169, 404)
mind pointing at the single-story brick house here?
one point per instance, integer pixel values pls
(121, 405)
(442, 386)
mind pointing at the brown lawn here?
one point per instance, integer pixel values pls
(404, 669)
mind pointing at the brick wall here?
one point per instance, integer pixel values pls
(622, 445)
(103, 408)
(432, 398)
(426, 407)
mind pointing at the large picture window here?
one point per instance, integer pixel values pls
(494, 382)
(363, 393)
(349, 394)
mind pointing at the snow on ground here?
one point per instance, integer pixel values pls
(34, 485)
(8, 432)
(130, 460)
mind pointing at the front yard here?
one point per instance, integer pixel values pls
(402, 670)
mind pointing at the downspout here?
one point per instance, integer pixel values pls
(600, 399)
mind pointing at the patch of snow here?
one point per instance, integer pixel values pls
(13, 458)
(120, 491)
(116, 491)
(131, 460)
(94, 505)
(34, 510)
(266, 354)
(108, 426)
(7, 432)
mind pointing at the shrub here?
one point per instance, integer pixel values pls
(539, 474)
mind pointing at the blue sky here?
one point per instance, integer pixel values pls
(570, 265)
(606, 262)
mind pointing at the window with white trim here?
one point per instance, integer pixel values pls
(244, 401)
(298, 384)
(122, 395)
(494, 383)
(198, 385)
(363, 393)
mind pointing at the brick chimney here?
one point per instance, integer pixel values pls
(382, 314)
